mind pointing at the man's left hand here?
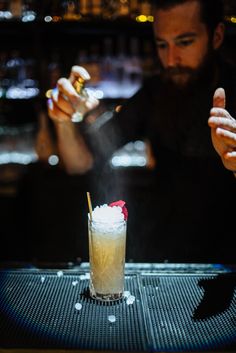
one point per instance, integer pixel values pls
(223, 130)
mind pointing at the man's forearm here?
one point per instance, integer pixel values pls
(73, 151)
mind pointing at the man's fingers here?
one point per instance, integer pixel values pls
(231, 155)
(56, 114)
(224, 123)
(78, 71)
(227, 136)
(219, 98)
(220, 112)
(65, 87)
(62, 103)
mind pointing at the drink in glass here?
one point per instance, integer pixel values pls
(107, 240)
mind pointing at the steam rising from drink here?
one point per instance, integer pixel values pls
(107, 183)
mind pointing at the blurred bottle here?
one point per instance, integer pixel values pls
(134, 67)
(96, 8)
(71, 10)
(82, 57)
(85, 9)
(15, 7)
(29, 12)
(55, 10)
(124, 8)
(134, 9)
(121, 59)
(110, 9)
(108, 60)
(16, 70)
(29, 5)
(4, 81)
(3, 5)
(95, 63)
(54, 70)
(108, 69)
(20, 73)
(145, 7)
(90, 59)
(5, 14)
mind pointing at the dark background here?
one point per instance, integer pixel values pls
(43, 210)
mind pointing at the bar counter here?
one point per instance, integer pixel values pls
(166, 308)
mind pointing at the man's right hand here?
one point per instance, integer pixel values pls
(65, 101)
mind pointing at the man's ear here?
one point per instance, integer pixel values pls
(218, 35)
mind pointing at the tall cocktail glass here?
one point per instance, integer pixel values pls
(107, 242)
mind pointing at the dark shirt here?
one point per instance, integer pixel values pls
(186, 212)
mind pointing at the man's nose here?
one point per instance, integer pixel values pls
(172, 56)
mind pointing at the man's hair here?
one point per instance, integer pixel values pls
(212, 11)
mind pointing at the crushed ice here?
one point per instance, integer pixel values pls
(107, 214)
(74, 283)
(59, 273)
(108, 220)
(85, 276)
(78, 306)
(42, 279)
(126, 294)
(111, 318)
(130, 300)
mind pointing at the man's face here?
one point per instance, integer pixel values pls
(182, 42)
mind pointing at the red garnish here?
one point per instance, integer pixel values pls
(121, 204)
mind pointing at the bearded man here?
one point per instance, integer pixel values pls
(188, 213)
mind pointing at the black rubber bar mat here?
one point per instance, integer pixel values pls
(45, 309)
(54, 310)
(191, 312)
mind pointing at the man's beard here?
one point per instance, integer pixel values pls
(185, 108)
(185, 78)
